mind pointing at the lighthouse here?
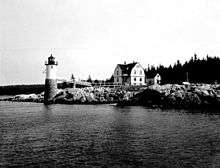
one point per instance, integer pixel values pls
(51, 80)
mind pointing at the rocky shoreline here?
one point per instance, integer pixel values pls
(178, 96)
(164, 96)
(89, 95)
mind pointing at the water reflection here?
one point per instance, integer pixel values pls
(47, 111)
(118, 146)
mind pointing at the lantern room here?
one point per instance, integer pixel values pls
(51, 61)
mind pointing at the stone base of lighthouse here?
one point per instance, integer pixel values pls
(50, 90)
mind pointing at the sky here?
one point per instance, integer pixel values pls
(90, 37)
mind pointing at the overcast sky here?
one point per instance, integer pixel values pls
(92, 36)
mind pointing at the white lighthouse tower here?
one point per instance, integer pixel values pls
(51, 80)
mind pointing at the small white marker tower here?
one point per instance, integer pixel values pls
(51, 80)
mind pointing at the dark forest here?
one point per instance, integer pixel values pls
(195, 70)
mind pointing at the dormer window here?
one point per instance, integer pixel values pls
(117, 73)
(134, 71)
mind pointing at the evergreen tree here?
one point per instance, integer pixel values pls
(89, 79)
(72, 77)
(110, 80)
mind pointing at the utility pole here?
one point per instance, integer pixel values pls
(187, 76)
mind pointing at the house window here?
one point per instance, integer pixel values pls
(140, 72)
(134, 71)
(117, 73)
(117, 79)
(134, 79)
(134, 83)
(140, 79)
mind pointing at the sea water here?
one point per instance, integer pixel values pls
(35, 135)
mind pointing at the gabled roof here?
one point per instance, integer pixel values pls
(126, 68)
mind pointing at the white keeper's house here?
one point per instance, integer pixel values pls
(129, 74)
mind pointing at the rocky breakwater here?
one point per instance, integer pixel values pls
(90, 95)
(179, 96)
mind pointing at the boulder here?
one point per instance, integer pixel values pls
(148, 97)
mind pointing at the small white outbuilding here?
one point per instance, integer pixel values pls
(154, 79)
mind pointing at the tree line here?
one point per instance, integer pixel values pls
(195, 71)
(23, 89)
